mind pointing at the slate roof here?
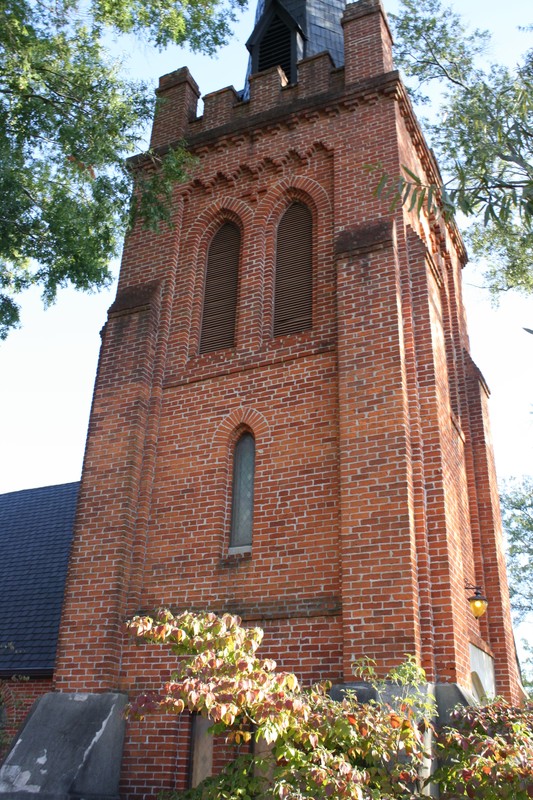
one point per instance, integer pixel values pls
(35, 534)
(320, 21)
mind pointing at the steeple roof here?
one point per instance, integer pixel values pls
(315, 25)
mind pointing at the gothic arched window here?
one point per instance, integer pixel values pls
(293, 287)
(220, 293)
(242, 503)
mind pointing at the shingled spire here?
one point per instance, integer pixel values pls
(288, 30)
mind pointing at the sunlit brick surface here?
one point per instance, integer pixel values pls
(375, 497)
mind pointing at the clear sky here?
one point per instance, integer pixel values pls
(48, 366)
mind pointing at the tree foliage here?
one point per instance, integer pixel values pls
(68, 118)
(319, 747)
(517, 514)
(483, 136)
(516, 501)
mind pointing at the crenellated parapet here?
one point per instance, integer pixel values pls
(368, 71)
(272, 104)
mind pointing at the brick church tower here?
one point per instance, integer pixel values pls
(287, 423)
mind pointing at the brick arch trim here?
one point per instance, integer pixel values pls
(223, 210)
(240, 418)
(305, 189)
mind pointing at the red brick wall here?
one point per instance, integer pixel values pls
(17, 695)
(375, 499)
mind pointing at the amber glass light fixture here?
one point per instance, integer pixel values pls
(478, 603)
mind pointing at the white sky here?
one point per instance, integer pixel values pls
(48, 366)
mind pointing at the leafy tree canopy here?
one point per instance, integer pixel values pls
(517, 513)
(483, 136)
(68, 117)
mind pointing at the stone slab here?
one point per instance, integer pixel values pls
(70, 747)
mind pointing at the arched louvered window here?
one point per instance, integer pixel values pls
(293, 293)
(242, 504)
(220, 294)
(275, 48)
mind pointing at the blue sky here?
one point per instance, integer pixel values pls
(48, 366)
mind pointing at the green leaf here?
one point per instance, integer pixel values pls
(415, 178)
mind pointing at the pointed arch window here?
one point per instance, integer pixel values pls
(220, 293)
(293, 288)
(242, 504)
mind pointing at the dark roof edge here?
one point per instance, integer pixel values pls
(42, 672)
(40, 488)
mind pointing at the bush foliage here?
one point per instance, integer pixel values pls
(325, 748)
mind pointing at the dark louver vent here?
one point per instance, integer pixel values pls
(220, 296)
(293, 300)
(275, 48)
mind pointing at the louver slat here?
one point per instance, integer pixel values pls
(293, 300)
(275, 48)
(220, 296)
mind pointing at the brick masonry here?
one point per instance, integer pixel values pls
(17, 695)
(375, 495)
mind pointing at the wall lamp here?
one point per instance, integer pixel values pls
(478, 603)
